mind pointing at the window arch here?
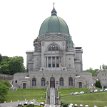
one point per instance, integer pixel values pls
(42, 81)
(33, 81)
(53, 47)
(70, 81)
(52, 82)
(61, 81)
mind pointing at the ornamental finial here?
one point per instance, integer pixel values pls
(53, 4)
(53, 12)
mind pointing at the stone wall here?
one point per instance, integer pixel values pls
(6, 77)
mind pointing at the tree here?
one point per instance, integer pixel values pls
(0, 57)
(11, 65)
(93, 71)
(16, 65)
(4, 65)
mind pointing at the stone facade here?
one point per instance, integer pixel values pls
(55, 62)
(102, 76)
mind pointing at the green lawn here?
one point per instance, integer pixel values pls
(99, 98)
(28, 94)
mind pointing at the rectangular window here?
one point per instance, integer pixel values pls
(57, 57)
(80, 84)
(57, 65)
(49, 65)
(53, 65)
(53, 58)
(49, 58)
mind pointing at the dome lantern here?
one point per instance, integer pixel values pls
(53, 12)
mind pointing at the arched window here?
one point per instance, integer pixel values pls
(42, 81)
(70, 81)
(53, 47)
(61, 81)
(52, 82)
(33, 81)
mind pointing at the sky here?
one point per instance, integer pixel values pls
(20, 21)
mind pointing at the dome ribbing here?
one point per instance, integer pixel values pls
(53, 24)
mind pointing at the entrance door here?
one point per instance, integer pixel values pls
(52, 82)
(80, 84)
(24, 85)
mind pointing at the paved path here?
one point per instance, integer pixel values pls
(14, 104)
(52, 99)
(52, 96)
(10, 104)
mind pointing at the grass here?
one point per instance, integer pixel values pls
(99, 98)
(28, 94)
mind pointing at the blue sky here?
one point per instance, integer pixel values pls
(20, 21)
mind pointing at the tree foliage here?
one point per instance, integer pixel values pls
(0, 57)
(98, 84)
(93, 71)
(11, 65)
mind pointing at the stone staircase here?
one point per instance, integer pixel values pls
(52, 98)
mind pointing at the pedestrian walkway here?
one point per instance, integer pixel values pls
(52, 99)
(52, 96)
(10, 104)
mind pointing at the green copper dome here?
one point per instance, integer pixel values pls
(53, 24)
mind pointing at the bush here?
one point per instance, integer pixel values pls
(64, 104)
(98, 84)
(6, 83)
(31, 105)
(3, 92)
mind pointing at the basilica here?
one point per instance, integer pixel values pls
(55, 61)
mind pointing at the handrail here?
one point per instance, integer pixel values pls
(48, 96)
(56, 97)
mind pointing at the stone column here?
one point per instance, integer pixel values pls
(51, 61)
(55, 61)
(47, 61)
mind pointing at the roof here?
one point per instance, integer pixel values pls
(53, 24)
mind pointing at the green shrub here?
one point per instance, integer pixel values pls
(31, 105)
(3, 92)
(64, 104)
(98, 84)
